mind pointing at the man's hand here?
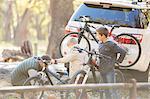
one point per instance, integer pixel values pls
(53, 61)
(42, 64)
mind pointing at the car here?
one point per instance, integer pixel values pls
(132, 19)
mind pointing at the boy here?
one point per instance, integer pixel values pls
(74, 57)
(27, 68)
(106, 66)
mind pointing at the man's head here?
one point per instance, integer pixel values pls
(102, 33)
(46, 58)
(71, 42)
(43, 61)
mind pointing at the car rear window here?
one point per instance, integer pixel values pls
(112, 16)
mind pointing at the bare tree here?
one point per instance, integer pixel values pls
(60, 11)
(7, 21)
(21, 29)
(38, 27)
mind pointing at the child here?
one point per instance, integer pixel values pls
(106, 66)
(74, 57)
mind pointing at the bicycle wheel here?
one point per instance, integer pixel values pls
(80, 78)
(35, 81)
(133, 48)
(84, 43)
(76, 79)
(98, 93)
(119, 77)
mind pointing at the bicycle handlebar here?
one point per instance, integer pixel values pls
(84, 18)
(87, 19)
(92, 53)
(91, 26)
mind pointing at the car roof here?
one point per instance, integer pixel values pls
(118, 3)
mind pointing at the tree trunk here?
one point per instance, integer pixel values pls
(60, 11)
(7, 21)
(21, 29)
(38, 28)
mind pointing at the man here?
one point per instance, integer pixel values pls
(106, 66)
(28, 67)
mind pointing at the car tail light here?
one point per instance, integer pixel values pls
(139, 37)
(69, 29)
(74, 35)
(126, 40)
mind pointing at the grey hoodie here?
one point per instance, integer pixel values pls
(111, 49)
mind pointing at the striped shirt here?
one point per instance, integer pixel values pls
(20, 73)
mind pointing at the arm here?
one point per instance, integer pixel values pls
(68, 58)
(122, 52)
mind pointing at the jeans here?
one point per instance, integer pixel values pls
(110, 78)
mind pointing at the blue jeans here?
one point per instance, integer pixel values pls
(109, 77)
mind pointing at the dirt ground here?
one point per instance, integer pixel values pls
(4, 77)
(5, 72)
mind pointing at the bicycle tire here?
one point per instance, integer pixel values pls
(133, 55)
(73, 94)
(119, 76)
(73, 35)
(99, 93)
(100, 79)
(75, 75)
(40, 82)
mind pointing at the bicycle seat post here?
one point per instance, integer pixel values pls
(113, 27)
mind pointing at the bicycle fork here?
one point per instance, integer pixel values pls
(85, 77)
(80, 36)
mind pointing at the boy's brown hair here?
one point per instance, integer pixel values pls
(102, 31)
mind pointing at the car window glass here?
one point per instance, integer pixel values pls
(111, 16)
